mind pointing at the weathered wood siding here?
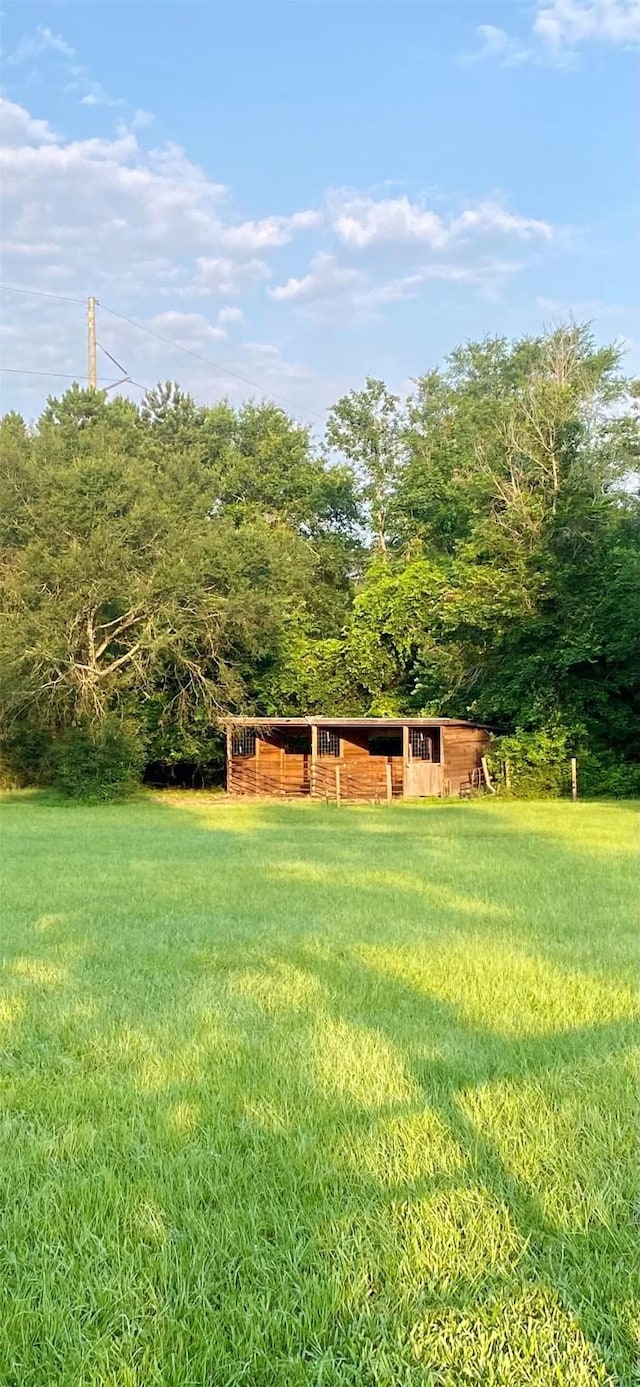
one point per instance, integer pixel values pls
(361, 777)
(276, 771)
(248, 776)
(272, 771)
(464, 748)
(354, 745)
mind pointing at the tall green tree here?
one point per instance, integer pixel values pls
(368, 427)
(474, 552)
(517, 539)
(151, 561)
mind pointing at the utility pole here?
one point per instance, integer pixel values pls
(91, 323)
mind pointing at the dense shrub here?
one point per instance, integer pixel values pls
(537, 765)
(25, 756)
(603, 777)
(97, 763)
(532, 765)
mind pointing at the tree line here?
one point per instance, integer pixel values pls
(472, 549)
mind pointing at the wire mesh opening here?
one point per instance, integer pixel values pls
(243, 742)
(421, 744)
(328, 742)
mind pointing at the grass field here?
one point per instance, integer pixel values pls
(297, 1095)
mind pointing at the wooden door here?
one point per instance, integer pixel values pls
(423, 766)
(423, 778)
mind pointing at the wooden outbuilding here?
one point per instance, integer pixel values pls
(354, 758)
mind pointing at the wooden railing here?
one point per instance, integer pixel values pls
(249, 778)
(376, 779)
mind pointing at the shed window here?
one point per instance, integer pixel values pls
(296, 743)
(385, 743)
(243, 742)
(328, 742)
(421, 744)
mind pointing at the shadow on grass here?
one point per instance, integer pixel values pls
(552, 1257)
(191, 956)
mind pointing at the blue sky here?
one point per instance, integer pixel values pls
(305, 193)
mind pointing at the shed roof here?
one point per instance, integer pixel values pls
(346, 722)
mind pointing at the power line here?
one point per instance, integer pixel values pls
(126, 377)
(40, 294)
(178, 346)
(217, 366)
(61, 375)
(112, 358)
(66, 375)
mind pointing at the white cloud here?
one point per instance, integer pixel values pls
(268, 233)
(224, 276)
(99, 97)
(335, 288)
(17, 127)
(230, 314)
(566, 23)
(27, 249)
(262, 371)
(116, 216)
(379, 233)
(365, 221)
(489, 217)
(343, 294)
(583, 310)
(43, 40)
(253, 369)
(141, 119)
(92, 93)
(559, 28)
(125, 216)
(325, 279)
(488, 275)
(265, 360)
(50, 336)
(497, 45)
(153, 234)
(190, 329)
(336, 294)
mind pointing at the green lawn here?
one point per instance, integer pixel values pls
(299, 1095)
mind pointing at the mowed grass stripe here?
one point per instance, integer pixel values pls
(297, 1095)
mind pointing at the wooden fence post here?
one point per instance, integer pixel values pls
(487, 776)
(314, 758)
(337, 784)
(574, 779)
(389, 783)
(228, 768)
